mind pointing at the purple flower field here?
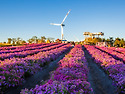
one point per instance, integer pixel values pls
(118, 53)
(70, 77)
(114, 68)
(13, 71)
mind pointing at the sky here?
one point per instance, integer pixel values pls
(27, 18)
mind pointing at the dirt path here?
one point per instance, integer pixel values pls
(43, 74)
(100, 82)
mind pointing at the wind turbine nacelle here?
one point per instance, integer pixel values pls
(63, 24)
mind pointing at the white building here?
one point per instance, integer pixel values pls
(104, 44)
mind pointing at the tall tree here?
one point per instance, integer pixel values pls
(43, 39)
(58, 40)
(34, 38)
(30, 41)
(9, 40)
(122, 42)
(23, 41)
(18, 40)
(50, 38)
(13, 41)
(103, 40)
(117, 42)
(111, 40)
(95, 40)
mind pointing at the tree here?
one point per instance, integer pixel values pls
(117, 39)
(88, 40)
(107, 40)
(34, 39)
(111, 41)
(95, 40)
(58, 41)
(122, 42)
(23, 41)
(103, 40)
(13, 41)
(50, 39)
(29, 40)
(18, 41)
(4, 42)
(117, 42)
(43, 39)
(9, 40)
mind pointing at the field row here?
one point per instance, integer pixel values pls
(14, 71)
(71, 77)
(113, 52)
(23, 48)
(114, 68)
(25, 53)
(20, 47)
(121, 50)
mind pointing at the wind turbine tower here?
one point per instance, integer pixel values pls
(62, 25)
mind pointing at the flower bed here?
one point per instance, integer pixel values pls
(114, 53)
(69, 78)
(121, 50)
(27, 47)
(14, 71)
(20, 47)
(25, 52)
(114, 68)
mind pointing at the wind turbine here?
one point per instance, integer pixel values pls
(61, 24)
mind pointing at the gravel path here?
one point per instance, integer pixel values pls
(35, 79)
(100, 82)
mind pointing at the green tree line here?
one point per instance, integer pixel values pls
(117, 42)
(34, 39)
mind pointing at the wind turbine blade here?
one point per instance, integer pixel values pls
(55, 24)
(65, 17)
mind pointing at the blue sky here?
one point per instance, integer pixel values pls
(26, 18)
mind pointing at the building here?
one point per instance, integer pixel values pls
(102, 44)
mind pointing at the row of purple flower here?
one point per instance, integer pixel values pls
(25, 48)
(121, 50)
(113, 52)
(19, 47)
(69, 78)
(22, 54)
(114, 68)
(13, 71)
